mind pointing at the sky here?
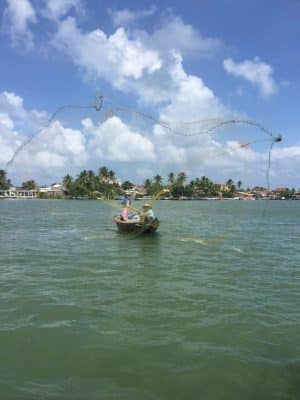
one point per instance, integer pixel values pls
(172, 61)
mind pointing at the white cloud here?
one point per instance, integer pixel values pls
(191, 100)
(56, 9)
(115, 141)
(18, 16)
(254, 71)
(175, 35)
(291, 152)
(115, 58)
(285, 161)
(151, 66)
(65, 141)
(134, 61)
(178, 96)
(50, 153)
(127, 16)
(132, 153)
(6, 121)
(48, 161)
(11, 99)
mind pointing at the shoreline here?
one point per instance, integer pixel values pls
(141, 199)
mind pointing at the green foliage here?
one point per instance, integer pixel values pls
(4, 182)
(288, 194)
(29, 185)
(171, 177)
(90, 185)
(127, 185)
(147, 183)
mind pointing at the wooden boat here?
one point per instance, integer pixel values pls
(135, 226)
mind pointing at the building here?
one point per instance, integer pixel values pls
(56, 190)
(19, 193)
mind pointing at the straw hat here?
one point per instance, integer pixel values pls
(146, 205)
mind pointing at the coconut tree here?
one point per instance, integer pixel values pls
(147, 183)
(171, 178)
(83, 178)
(29, 185)
(158, 179)
(181, 178)
(127, 185)
(103, 173)
(4, 182)
(67, 181)
(91, 180)
(229, 183)
(111, 175)
(231, 187)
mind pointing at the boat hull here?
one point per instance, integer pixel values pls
(137, 227)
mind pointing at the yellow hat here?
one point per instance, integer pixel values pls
(146, 205)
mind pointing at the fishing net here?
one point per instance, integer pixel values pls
(205, 159)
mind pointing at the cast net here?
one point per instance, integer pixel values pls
(226, 158)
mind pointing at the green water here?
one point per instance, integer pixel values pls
(207, 308)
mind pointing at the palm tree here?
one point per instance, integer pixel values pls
(4, 183)
(103, 173)
(158, 179)
(127, 185)
(111, 175)
(67, 181)
(231, 187)
(171, 177)
(239, 184)
(229, 183)
(29, 185)
(147, 183)
(181, 178)
(91, 184)
(83, 178)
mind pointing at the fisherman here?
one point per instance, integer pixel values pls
(126, 199)
(148, 212)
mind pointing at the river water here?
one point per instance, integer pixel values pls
(206, 308)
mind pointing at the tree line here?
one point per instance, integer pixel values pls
(199, 187)
(90, 184)
(104, 184)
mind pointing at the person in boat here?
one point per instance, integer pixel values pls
(148, 212)
(124, 216)
(126, 200)
(134, 217)
(129, 215)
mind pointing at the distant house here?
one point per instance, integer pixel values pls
(26, 193)
(19, 193)
(222, 187)
(54, 191)
(296, 196)
(280, 191)
(246, 196)
(138, 191)
(260, 191)
(8, 193)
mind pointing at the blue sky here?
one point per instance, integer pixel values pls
(178, 61)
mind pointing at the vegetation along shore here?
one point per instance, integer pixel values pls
(105, 185)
